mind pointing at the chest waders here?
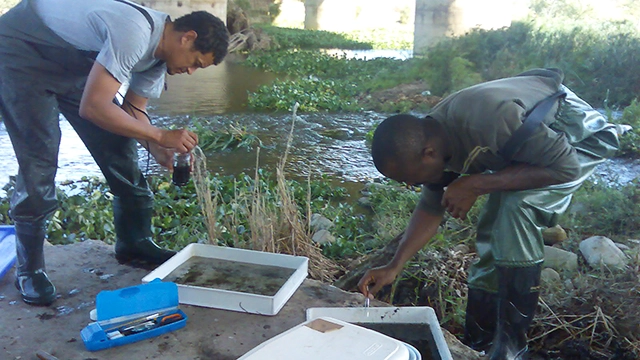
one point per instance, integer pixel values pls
(41, 76)
(504, 283)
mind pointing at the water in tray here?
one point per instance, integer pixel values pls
(230, 275)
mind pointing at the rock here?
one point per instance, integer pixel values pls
(236, 19)
(263, 41)
(338, 134)
(369, 187)
(459, 350)
(600, 250)
(560, 260)
(365, 202)
(461, 248)
(323, 237)
(568, 285)
(550, 277)
(554, 235)
(622, 247)
(319, 222)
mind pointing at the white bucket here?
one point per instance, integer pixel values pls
(414, 354)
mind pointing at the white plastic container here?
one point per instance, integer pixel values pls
(388, 316)
(235, 300)
(329, 339)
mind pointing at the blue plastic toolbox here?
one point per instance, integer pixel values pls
(132, 314)
(7, 248)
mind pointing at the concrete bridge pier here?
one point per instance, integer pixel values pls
(438, 19)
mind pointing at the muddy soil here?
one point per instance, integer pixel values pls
(415, 92)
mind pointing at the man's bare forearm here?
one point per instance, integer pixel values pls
(513, 178)
(422, 227)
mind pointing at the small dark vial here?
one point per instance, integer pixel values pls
(181, 175)
(181, 168)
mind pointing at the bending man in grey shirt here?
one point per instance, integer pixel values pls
(72, 57)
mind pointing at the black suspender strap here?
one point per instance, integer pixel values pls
(144, 12)
(531, 121)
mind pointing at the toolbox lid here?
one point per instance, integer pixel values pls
(7, 248)
(134, 300)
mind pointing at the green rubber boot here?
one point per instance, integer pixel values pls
(517, 302)
(480, 320)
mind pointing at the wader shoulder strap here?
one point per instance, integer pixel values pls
(531, 121)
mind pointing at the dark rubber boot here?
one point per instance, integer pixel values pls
(517, 303)
(31, 278)
(132, 220)
(480, 319)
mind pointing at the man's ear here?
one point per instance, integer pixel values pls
(428, 154)
(188, 37)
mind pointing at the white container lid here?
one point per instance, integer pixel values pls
(327, 338)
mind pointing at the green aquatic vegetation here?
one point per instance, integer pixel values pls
(287, 38)
(400, 38)
(361, 39)
(312, 95)
(595, 60)
(230, 138)
(323, 82)
(302, 63)
(85, 208)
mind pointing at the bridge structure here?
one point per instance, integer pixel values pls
(432, 20)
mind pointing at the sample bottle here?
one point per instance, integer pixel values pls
(181, 168)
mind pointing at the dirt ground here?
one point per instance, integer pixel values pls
(416, 92)
(81, 270)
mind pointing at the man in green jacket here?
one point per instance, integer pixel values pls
(464, 148)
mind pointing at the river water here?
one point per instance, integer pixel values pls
(219, 94)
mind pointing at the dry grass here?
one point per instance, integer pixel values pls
(596, 316)
(208, 202)
(286, 231)
(276, 226)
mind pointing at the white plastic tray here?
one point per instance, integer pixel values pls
(234, 300)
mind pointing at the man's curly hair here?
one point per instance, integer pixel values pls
(213, 36)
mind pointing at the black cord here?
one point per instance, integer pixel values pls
(130, 107)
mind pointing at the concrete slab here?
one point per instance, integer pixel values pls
(81, 270)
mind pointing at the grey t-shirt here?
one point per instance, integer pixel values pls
(120, 34)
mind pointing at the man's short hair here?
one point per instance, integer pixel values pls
(213, 36)
(398, 139)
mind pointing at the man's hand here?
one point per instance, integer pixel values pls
(163, 156)
(460, 196)
(378, 277)
(181, 140)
